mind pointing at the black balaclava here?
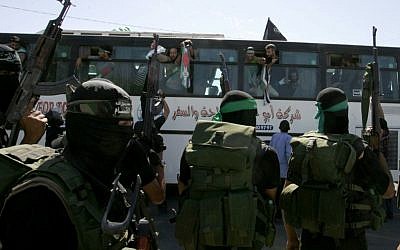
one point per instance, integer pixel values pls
(246, 112)
(335, 122)
(95, 140)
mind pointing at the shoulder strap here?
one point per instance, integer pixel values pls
(304, 169)
(74, 181)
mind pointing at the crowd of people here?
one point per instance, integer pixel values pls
(68, 190)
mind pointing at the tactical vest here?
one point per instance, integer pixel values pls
(26, 166)
(323, 197)
(222, 206)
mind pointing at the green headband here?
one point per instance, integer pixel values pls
(321, 116)
(244, 104)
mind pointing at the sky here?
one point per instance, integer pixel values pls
(315, 21)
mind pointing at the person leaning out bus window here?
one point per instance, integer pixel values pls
(251, 56)
(271, 56)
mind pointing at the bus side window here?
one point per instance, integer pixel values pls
(307, 83)
(344, 73)
(170, 80)
(213, 87)
(252, 79)
(390, 85)
(203, 77)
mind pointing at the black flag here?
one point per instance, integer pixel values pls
(272, 33)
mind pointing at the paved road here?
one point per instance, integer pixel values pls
(386, 238)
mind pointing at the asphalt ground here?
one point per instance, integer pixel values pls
(386, 238)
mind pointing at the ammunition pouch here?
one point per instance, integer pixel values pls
(219, 221)
(378, 214)
(187, 224)
(313, 209)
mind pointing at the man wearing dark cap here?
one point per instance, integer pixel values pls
(60, 203)
(353, 198)
(238, 109)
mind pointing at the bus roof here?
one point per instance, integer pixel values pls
(139, 34)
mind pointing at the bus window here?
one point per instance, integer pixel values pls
(94, 61)
(305, 58)
(252, 80)
(254, 84)
(344, 72)
(349, 80)
(285, 82)
(207, 75)
(59, 66)
(385, 62)
(125, 52)
(214, 88)
(334, 60)
(170, 80)
(296, 82)
(389, 82)
(343, 60)
(62, 52)
(58, 70)
(212, 55)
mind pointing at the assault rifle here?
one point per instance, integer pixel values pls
(147, 234)
(30, 88)
(375, 87)
(371, 90)
(224, 81)
(150, 92)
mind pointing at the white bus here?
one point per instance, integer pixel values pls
(309, 67)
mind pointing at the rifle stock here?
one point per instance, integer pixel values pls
(36, 69)
(225, 86)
